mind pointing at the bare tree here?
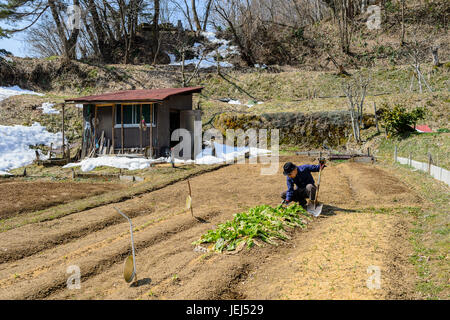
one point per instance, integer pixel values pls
(129, 14)
(67, 37)
(416, 52)
(33, 11)
(195, 15)
(43, 41)
(156, 37)
(402, 11)
(183, 46)
(265, 28)
(156, 13)
(344, 22)
(435, 55)
(236, 16)
(356, 93)
(113, 25)
(207, 13)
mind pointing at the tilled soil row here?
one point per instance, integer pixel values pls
(168, 266)
(43, 194)
(30, 239)
(45, 280)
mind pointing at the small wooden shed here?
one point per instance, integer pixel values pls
(136, 121)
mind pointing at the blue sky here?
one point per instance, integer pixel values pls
(16, 43)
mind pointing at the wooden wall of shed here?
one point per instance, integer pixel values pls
(187, 119)
(180, 102)
(162, 127)
(104, 114)
(131, 137)
(161, 133)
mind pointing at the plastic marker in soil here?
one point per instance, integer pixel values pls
(129, 268)
(189, 200)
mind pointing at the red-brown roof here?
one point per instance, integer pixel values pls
(137, 95)
(423, 128)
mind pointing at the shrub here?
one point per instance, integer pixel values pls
(398, 120)
(299, 33)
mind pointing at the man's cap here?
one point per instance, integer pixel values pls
(288, 168)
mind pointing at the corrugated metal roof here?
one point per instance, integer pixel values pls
(137, 95)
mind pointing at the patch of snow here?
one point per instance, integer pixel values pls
(90, 164)
(47, 108)
(208, 160)
(258, 152)
(248, 104)
(252, 104)
(6, 92)
(225, 48)
(172, 57)
(209, 59)
(15, 141)
(224, 153)
(206, 62)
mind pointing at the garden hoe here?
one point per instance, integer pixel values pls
(313, 207)
(129, 268)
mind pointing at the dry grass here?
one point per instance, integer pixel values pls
(309, 91)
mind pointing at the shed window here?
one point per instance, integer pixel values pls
(132, 113)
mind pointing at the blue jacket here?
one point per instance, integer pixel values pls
(302, 179)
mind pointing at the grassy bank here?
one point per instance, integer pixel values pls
(419, 145)
(430, 235)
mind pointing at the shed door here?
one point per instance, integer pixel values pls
(174, 124)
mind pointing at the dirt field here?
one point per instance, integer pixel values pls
(328, 260)
(27, 196)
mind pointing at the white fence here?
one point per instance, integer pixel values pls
(438, 173)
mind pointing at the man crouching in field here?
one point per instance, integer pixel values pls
(300, 176)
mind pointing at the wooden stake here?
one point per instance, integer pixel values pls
(95, 124)
(113, 124)
(172, 158)
(63, 145)
(190, 195)
(395, 154)
(430, 162)
(106, 148)
(100, 146)
(151, 130)
(376, 117)
(140, 127)
(121, 121)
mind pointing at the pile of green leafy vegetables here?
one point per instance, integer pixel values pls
(261, 222)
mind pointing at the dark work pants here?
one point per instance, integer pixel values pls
(300, 194)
